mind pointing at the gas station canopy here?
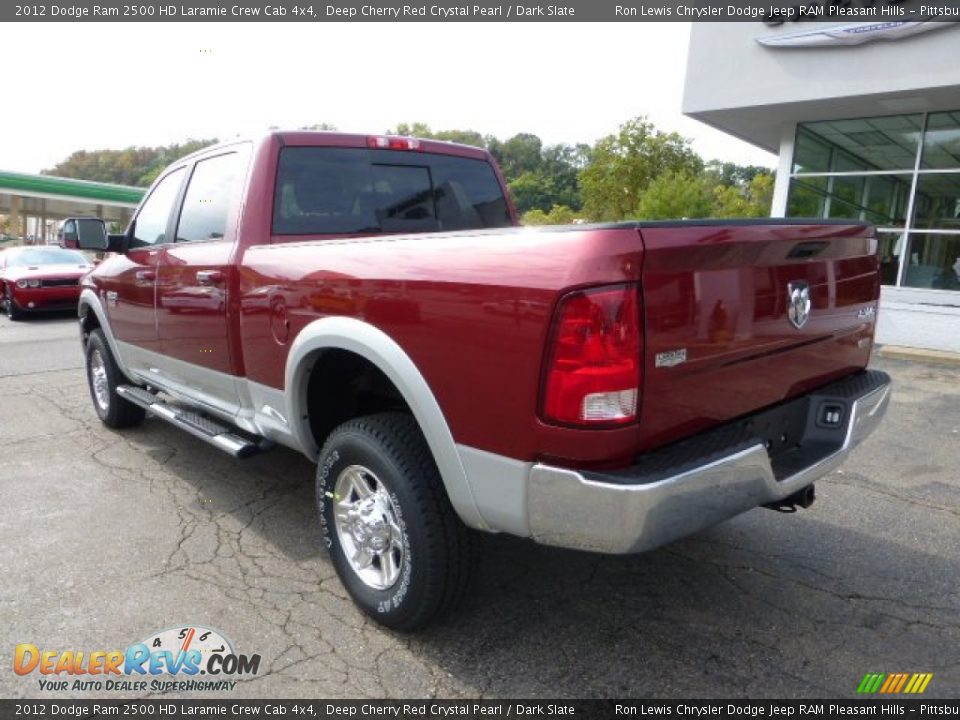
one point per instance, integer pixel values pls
(36, 202)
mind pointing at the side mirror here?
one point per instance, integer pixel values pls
(88, 234)
(67, 234)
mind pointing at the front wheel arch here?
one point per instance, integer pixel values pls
(10, 307)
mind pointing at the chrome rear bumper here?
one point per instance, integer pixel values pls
(639, 509)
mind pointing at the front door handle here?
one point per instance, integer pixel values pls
(146, 276)
(209, 277)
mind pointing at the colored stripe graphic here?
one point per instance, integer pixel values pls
(870, 683)
(894, 683)
(919, 683)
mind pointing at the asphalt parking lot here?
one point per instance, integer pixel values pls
(107, 537)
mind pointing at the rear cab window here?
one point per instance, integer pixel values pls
(336, 190)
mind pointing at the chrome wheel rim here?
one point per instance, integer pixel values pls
(368, 527)
(98, 381)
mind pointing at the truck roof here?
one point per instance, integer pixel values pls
(322, 138)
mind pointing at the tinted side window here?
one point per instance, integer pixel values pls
(345, 190)
(213, 187)
(150, 227)
(468, 194)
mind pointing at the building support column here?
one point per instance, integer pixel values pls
(781, 188)
(16, 219)
(43, 221)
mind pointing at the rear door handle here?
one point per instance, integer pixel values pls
(146, 275)
(209, 277)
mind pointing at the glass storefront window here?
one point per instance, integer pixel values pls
(884, 143)
(880, 199)
(941, 142)
(867, 169)
(933, 262)
(891, 247)
(938, 202)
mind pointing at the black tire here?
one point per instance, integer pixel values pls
(438, 550)
(115, 411)
(9, 306)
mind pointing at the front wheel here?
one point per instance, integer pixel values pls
(104, 376)
(9, 306)
(395, 541)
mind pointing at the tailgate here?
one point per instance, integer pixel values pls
(726, 321)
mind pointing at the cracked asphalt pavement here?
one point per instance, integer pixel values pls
(106, 537)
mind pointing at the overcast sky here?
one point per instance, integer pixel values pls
(113, 85)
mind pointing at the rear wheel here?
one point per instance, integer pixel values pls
(395, 541)
(9, 306)
(104, 376)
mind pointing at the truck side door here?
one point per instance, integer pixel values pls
(194, 276)
(128, 294)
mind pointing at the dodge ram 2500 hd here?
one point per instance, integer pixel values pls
(367, 302)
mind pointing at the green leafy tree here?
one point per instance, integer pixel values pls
(753, 200)
(733, 175)
(8, 228)
(422, 130)
(677, 194)
(417, 129)
(558, 215)
(532, 191)
(169, 154)
(537, 176)
(624, 164)
(520, 154)
(562, 164)
(129, 166)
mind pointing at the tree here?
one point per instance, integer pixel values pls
(752, 200)
(624, 164)
(532, 190)
(169, 154)
(537, 176)
(324, 126)
(677, 194)
(733, 175)
(562, 164)
(558, 215)
(130, 166)
(8, 227)
(422, 130)
(518, 155)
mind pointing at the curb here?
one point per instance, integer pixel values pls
(901, 352)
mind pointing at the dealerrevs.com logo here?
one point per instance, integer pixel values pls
(198, 658)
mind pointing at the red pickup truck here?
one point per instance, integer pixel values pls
(369, 302)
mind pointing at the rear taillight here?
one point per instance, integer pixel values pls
(592, 374)
(390, 142)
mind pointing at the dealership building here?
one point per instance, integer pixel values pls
(865, 119)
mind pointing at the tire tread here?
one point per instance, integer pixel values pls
(448, 541)
(122, 413)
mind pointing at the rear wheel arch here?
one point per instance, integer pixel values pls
(351, 343)
(343, 385)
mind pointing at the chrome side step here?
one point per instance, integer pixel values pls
(222, 436)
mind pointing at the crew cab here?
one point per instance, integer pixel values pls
(371, 303)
